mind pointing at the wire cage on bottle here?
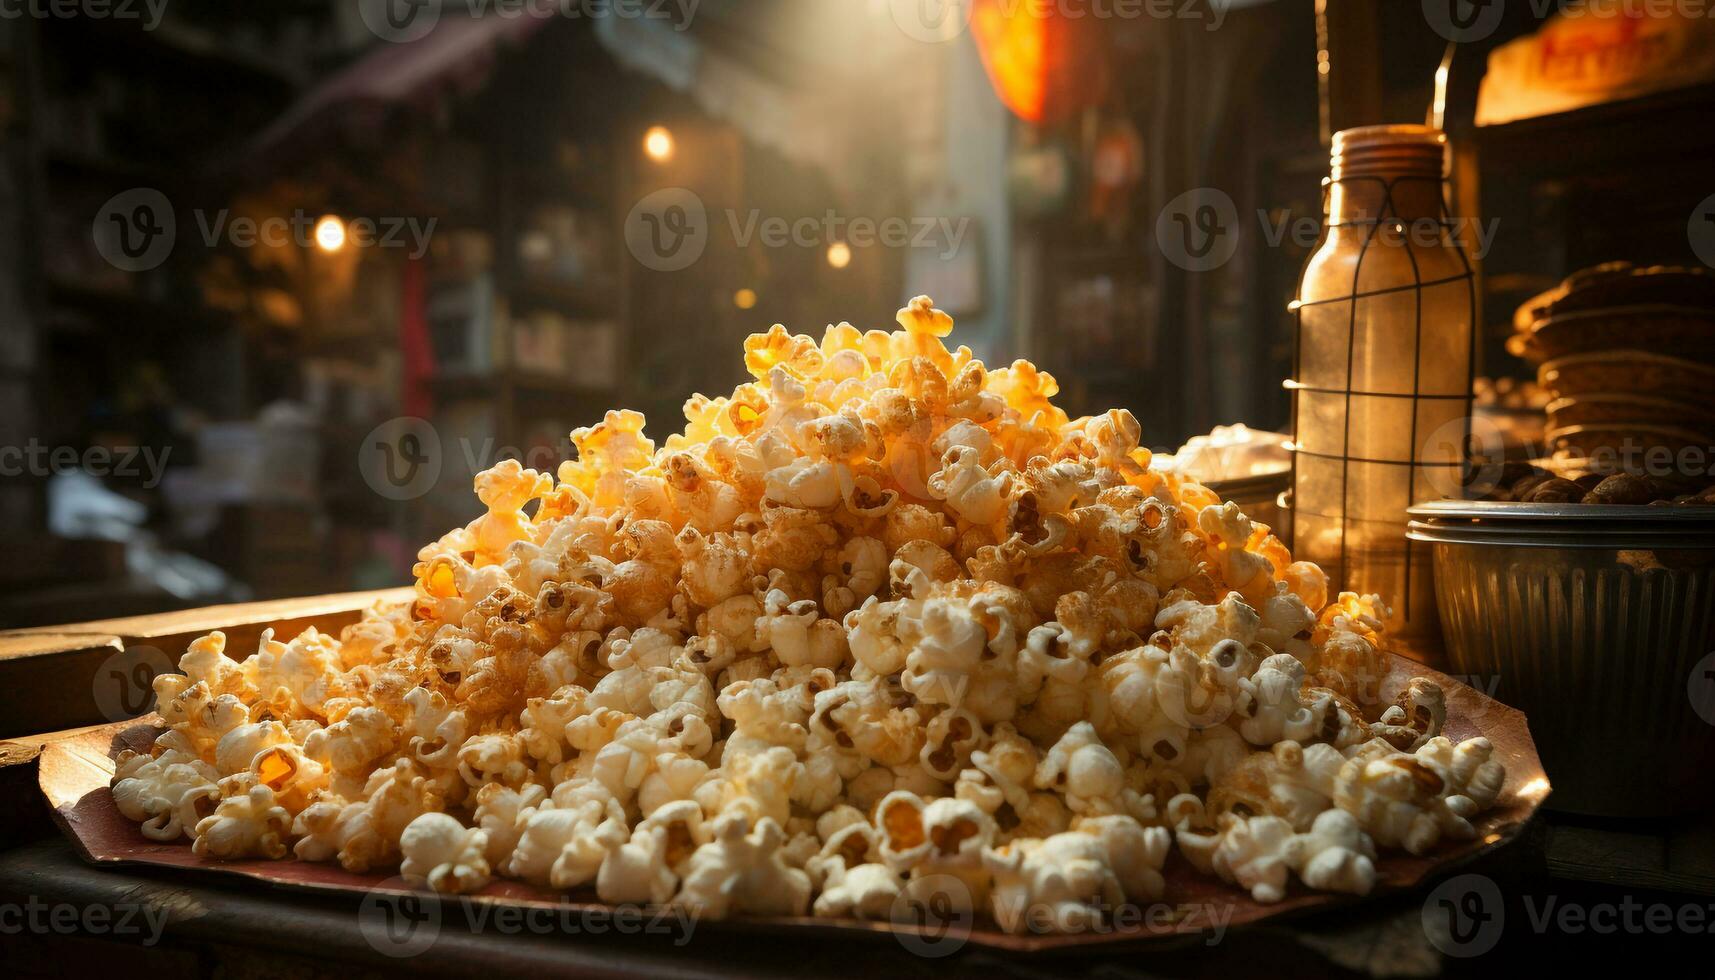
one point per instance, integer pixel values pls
(1383, 361)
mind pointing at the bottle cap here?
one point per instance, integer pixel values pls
(1388, 151)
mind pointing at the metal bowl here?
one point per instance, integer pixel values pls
(1259, 497)
(1598, 622)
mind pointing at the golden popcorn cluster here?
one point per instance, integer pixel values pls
(881, 619)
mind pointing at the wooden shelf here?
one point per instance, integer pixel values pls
(570, 300)
(106, 169)
(1657, 128)
(111, 307)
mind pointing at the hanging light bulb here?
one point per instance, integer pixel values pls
(330, 233)
(839, 255)
(744, 299)
(658, 144)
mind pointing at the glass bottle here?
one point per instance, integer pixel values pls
(1381, 386)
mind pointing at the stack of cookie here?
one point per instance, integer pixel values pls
(1627, 355)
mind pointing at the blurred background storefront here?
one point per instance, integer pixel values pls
(276, 279)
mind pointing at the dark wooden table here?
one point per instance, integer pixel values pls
(196, 926)
(189, 925)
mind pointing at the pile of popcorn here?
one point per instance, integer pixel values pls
(883, 627)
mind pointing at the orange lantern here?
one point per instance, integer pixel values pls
(1034, 59)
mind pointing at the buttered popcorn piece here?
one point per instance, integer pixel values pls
(564, 847)
(1401, 800)
(939, 842)
(1334, 855)
(742, 870)
(1414, 718)
(882, 627)
(1272, 707)
(168, 794)
(646, 869)
(501, 813)
(1252, 854)
(364, 834)
(1290, 781)
(246, 823)
(867, 891)
(1257, 852)
(443, 852)
(1071, 880)
(1089, 775)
